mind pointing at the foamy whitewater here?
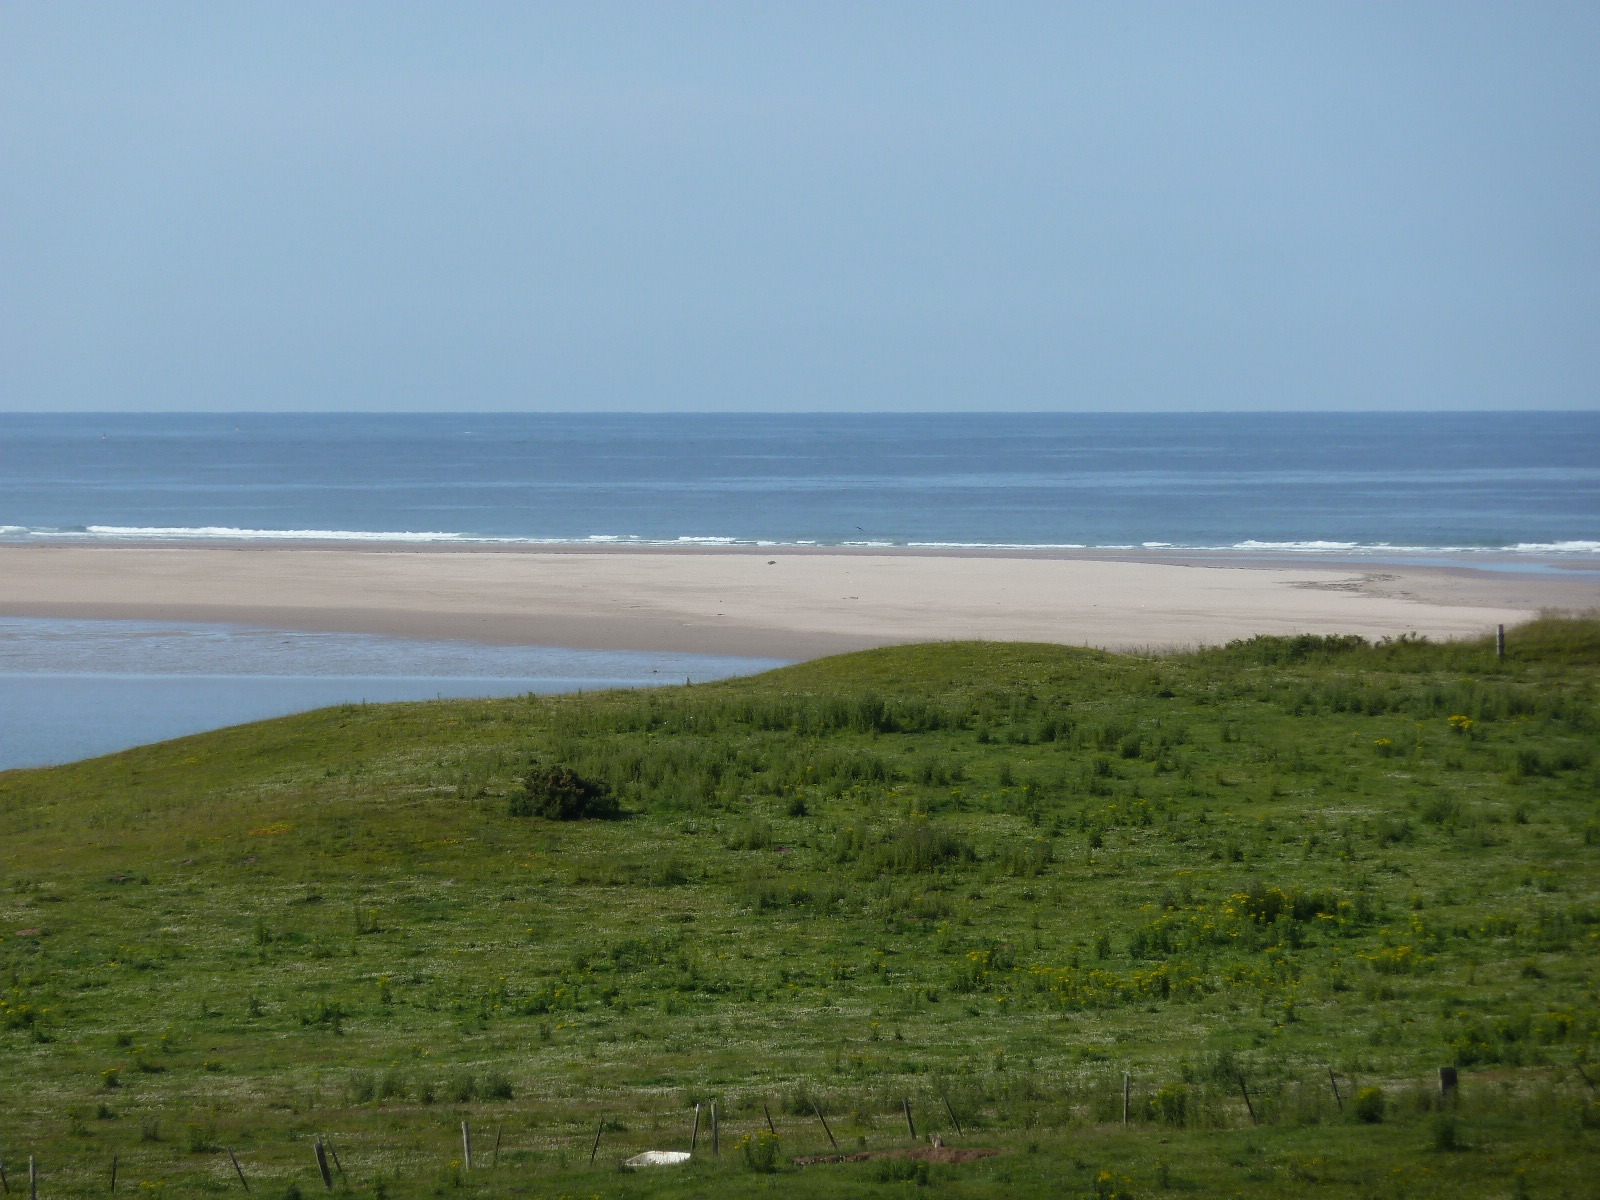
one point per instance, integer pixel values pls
(215, 533)
(1507, 491)
(1518, 484)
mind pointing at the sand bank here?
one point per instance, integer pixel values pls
(788, 603)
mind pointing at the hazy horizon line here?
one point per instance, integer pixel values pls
(809, 412)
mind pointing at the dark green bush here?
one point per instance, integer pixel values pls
(1446, 1133)
(559, 793)
(1370, 1105)
(392, 1086)
(1266, 904)
(760, 1152)
(1169, 1105)
(497, 1086)
(1271, 650)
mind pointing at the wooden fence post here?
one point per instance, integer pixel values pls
(694, 1137)
(595, 1149)
(466, 1146)
(950, 1112)
(322, 1165)
(816, 1108)
(716, 1130)
(113, 1174)
(1127, 1089)
(1449, 1082)
(494, 1159)
(1499, 641)
(337, 1165)
(771, 1128)
(911, 1129)
(1244, 1091)
(237, 1171)
(33, 1178)
(1334, 1083)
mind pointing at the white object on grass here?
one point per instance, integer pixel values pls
(657, 1158)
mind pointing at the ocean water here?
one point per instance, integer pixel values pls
(1456, 483)
(71, 689)
(1517, 491)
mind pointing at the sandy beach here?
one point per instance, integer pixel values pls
(784, 603)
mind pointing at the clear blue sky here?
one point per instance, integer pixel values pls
(806, 206)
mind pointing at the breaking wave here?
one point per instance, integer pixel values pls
(226, 533)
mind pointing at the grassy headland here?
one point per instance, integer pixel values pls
(988, 879)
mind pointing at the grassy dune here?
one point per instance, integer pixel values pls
(986, 879)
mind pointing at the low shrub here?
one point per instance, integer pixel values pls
(559, 793)
(760, 1152)
(392, 1086)
(1370, 1105)
(497, 1086)
(1170, 1105)
(1446, 1132)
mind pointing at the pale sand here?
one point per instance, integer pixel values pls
(779, 603)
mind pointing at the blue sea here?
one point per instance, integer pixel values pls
(1424, 482)
(1507, 491)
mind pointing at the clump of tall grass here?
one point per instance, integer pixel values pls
(1028, 858)
(754, 834)
(916, 845)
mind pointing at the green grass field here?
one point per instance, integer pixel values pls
(989, 880)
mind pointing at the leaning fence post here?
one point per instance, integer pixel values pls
(595, 1149)
(322, 1165)
(816, 1108)
(1244, 1091)
(1333, 1082)
(337, 1165)
(911, 1128)
(494, 1160)
(113, 1174)
(237, 1171)
(950, 1112)
(771, 1128)
(694, 1136)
